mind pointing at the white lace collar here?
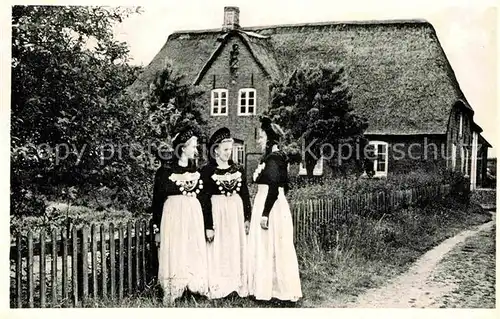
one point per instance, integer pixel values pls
(189, 183)
(229, 183)
(227, 176)
(184, 177)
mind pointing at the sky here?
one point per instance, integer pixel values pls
(467, 31)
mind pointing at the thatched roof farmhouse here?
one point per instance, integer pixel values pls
(400, 79)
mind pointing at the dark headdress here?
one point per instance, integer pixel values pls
(221, 135)
(186, 132)
(273, 130)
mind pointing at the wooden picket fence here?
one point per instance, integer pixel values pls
(122, 260)
(309, 214)
(65, 268)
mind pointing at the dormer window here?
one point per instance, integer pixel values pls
(219, 102)
(247, 102)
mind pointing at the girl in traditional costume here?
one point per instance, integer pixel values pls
(227, 200)
(273, 266)
(182, 258)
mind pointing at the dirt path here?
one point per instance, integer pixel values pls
(414, 288)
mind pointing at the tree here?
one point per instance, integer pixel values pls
(168, 92)
(68, 73)
(313, 105)
(174, 103)
(69, 94)
(57, 72)
(158, 112)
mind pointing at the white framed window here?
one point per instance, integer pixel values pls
(219, 102)
(453, 156)
(247, 102)
(460, 124)
(380, 162)
(238, 153)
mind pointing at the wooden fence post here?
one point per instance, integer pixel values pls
(42, 269)
(129, 257)
(64, 262)
(137, 245)
(103, 263)
(112, 256)
(74, 266)
(310, 219)
(143, 253)
(120, 261)
(300, 221)
(31, 283)
(94, 261)
(153, 253)
(19, 271)
(293, 208)
(85, 264)
(54, 267)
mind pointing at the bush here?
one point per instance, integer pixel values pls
(320, 187)
(27, 203)
(302, 187)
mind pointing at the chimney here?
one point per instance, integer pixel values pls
(231, 18)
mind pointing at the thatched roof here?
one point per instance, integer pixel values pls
(399, 75)
(482, 141)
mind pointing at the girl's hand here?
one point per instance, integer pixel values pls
(264, 222)
(247, 227)
(209, 233)
(157, 239)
